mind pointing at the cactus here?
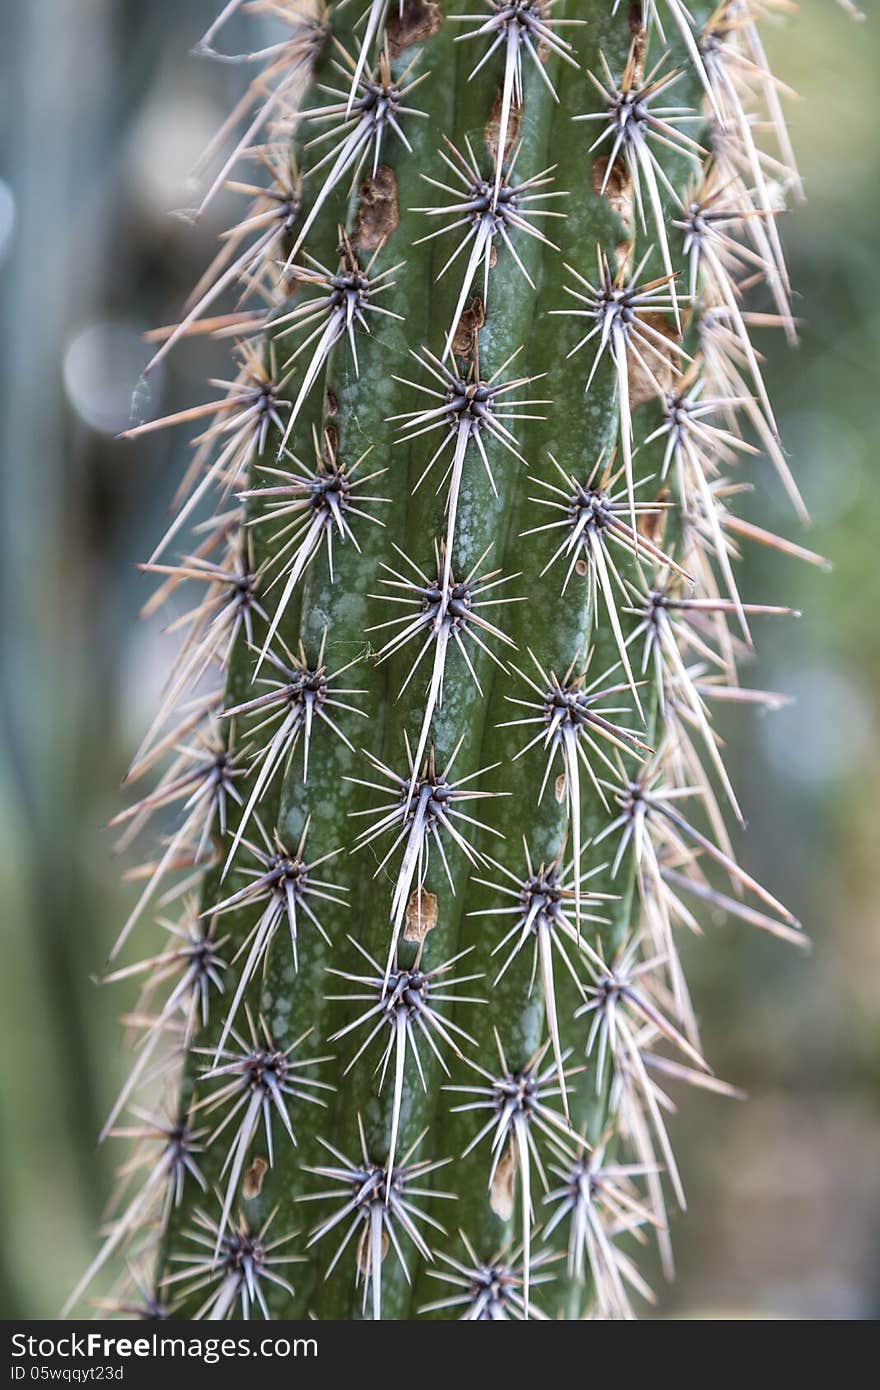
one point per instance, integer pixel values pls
(439, 783)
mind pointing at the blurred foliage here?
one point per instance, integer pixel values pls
(102, 114)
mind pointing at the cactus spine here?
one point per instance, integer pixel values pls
(440, 744)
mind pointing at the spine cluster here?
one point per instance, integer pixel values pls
(436, 781)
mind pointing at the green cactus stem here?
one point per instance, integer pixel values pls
(439, 755)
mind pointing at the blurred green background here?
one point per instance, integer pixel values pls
(103, 111)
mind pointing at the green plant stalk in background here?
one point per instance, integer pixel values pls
(545, 791)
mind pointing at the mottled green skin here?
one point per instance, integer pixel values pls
(575, 429)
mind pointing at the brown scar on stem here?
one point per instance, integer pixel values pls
(470, 323)
(663, 367)
(252, 1185)
(624, 252)
(419, 20)
(502, 1189)
(493, 124)
(422, 912)
(617, 184)
(378, 214)
(331, 443)
(636, 21)
(331, 403)
(559, 788)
